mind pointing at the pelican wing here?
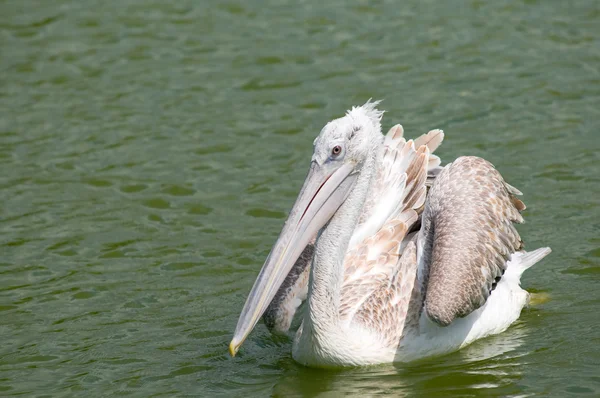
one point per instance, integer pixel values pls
(432, 140)
(393, 305)
(372, 264)
(394, 189)
(466, 238)
(370, 267)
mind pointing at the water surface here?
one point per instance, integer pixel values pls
(149, 152)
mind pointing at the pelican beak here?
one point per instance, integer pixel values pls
(324, 190)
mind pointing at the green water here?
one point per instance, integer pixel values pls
(149, 152)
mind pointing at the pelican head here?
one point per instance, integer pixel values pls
(358, 135)
(340, 152)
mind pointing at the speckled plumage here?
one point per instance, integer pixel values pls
(468, 235)
(388, 309)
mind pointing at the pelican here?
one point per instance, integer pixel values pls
(397, 257)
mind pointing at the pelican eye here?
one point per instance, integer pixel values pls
(336, 150)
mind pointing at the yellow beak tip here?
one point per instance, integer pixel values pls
(232, 349)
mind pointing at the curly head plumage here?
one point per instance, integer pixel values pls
(357, 135)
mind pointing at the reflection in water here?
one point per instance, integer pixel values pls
(491, 363)
(496, 345)
(369, 381)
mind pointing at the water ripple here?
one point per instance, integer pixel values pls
(150, 156)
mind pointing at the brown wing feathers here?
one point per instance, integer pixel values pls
(468, 236)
